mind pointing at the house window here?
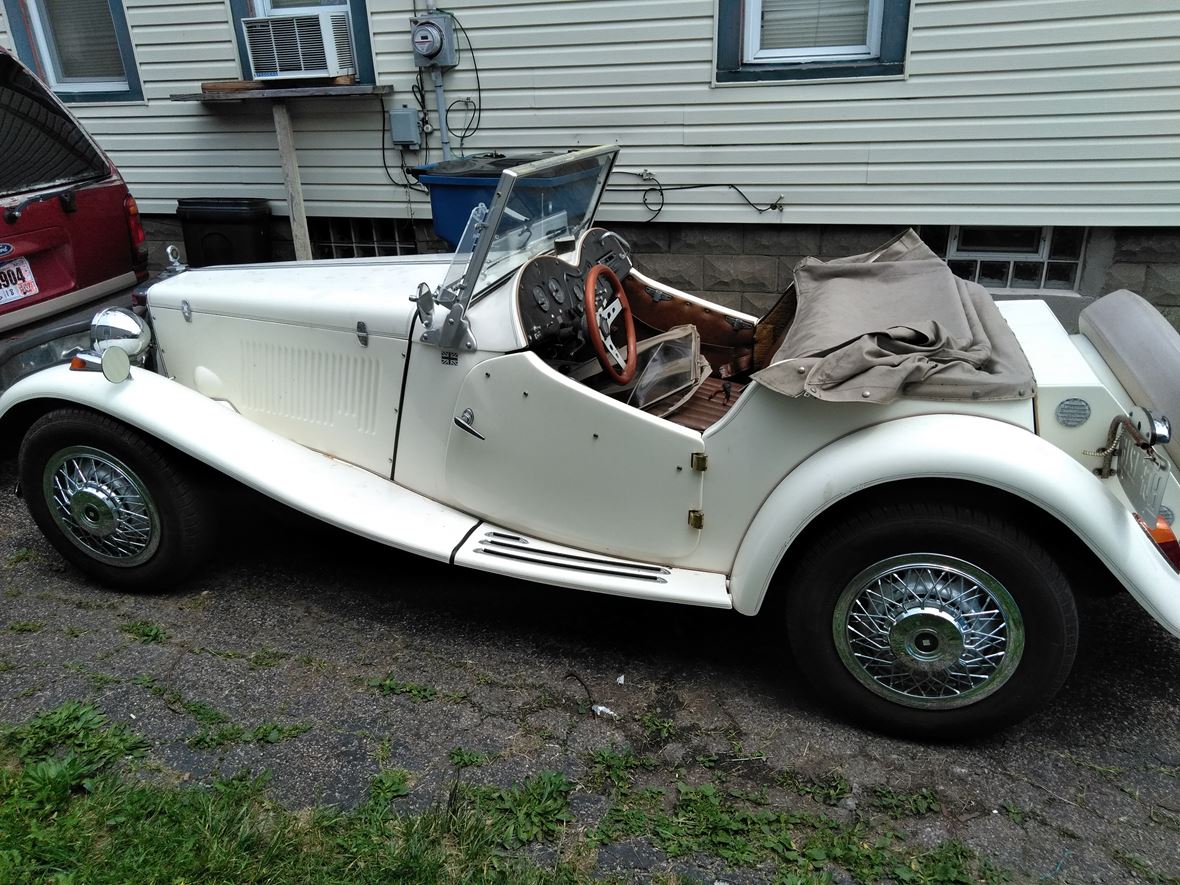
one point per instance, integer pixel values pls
(362, 48)
(81, 48)
(1011, 257)
(810, 39)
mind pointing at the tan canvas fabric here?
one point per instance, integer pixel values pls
(896, 322)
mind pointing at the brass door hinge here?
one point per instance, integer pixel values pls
(696, 519)
(699, 461)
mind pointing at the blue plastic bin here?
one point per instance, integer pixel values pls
(458, 186)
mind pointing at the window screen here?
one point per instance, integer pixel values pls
(41, 145)
(81, 38)
(797, 24)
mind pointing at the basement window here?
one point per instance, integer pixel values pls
(361, 237)
(1011, 257)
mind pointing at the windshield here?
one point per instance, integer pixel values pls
(534, 205)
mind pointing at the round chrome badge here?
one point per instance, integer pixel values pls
(1073, 412)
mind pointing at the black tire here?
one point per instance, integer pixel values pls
(139, 516)
(884, 609)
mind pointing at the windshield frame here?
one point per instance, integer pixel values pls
(508, 180)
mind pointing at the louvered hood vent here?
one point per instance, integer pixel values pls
(288, 47)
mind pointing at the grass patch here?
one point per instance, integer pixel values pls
(266, 658)
(827, 789)
(26, 626)
(12, 593)
(535, 810)
(67, 814)
(5, 666)
(615, 767)
(145, 631)
(216, 729)
(1142, 868)
(415, 690)
(657, 727)
(389, 785)
(461, 758)
(24, 554)
(899, 805)
(802, 846)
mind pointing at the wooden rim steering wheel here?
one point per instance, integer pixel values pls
(599, 320)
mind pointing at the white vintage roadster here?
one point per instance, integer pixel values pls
(913, 478)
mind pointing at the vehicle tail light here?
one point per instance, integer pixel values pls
(138, 237)
(1165, 540)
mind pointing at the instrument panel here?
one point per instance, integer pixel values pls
(551, 293)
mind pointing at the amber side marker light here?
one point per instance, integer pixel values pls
(1164, 538)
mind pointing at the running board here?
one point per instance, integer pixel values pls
(504, 552)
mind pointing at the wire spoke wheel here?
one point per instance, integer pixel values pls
(101, 506)
(928, 631)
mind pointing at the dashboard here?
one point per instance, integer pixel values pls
(551, 294)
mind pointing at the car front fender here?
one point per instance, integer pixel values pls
(957, 447)
(211, 432)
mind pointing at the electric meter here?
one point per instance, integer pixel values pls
(433, 39)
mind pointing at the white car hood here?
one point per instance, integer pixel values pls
(319, 294)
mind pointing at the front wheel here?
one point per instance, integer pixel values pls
(932, 620)
(113, 501)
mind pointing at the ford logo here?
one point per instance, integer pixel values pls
(5, 248)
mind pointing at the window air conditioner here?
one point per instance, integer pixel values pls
(287, 47)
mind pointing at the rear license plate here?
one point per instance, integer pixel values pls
(1143, 478)
(16, 281)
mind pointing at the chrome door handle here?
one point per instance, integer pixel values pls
(466, 422)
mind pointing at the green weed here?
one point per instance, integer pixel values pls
(267, 657)
(898, 805)
(532, 811)
(389, 785)
(1142, 868)
(461, 758)
(1014, 812)
(5, 666)
(416, 691)
(24, 554)
(145, 631)
(829, 788)
(656, 726)
(616, 767)
(25, 626)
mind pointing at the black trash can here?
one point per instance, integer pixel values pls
(225, 230)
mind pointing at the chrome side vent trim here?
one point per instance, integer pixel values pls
(514, 547)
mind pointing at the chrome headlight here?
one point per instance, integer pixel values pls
(121, 328)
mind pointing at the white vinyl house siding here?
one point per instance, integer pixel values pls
(1025, 111)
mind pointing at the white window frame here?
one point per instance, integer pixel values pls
(266, 8)
(753, 53)
(47, 50)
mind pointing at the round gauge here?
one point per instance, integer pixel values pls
(539, 297)
(556, 291)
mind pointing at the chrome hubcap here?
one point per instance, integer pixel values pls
(928, 631)
(101, 506)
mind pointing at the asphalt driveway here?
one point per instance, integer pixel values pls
(325, 660)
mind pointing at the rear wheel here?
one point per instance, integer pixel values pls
(113, 501)
(932, 619)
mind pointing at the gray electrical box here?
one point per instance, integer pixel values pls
(433, 39)
(405, 128)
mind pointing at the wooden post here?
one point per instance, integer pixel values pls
(290, 161)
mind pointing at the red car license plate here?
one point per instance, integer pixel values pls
(16, 281)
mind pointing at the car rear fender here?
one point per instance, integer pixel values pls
(957, 447)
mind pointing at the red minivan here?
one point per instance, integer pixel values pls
(69, 230)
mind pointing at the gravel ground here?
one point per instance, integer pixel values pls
(293, 620)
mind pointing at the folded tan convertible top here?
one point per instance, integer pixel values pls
(896, 322)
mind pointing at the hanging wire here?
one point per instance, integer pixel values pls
(653, 192)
